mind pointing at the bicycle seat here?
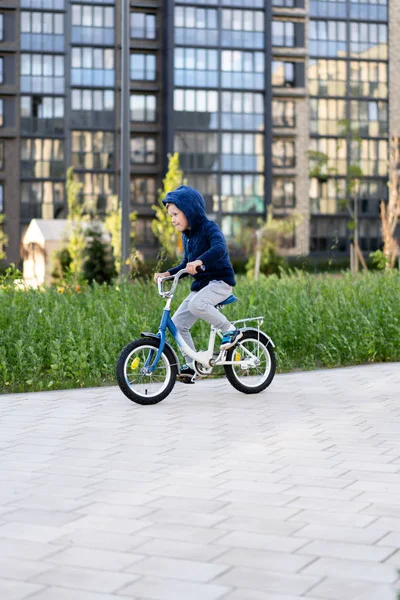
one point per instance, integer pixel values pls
(230, 300)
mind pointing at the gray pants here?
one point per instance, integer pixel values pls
(201, 305)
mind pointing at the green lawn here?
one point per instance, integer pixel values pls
(51, 340)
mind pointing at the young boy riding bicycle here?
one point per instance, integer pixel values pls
(204, 245)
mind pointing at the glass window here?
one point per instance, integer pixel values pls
(143, 67)
(42, 158)
(1, 69)
(328, 8)
(44, 4)
(327, 77)
(143, 191)
(369, 118)
(207, 184)
(143, 107)
(328, 38)
(369, 40)
(42, 73)
(196, 26)
(283, 33)
(96, 191)
(329, 234)
(242, 28)
(92, 100)
(143, 25)
(283, 74)
(283, 192)
(242, 110)
(143, 150)
(42, 31)
(283, 154)
(92, 67)
(42, 115)
(196, 109)
(93, 25)
(242, 152)
(1, 27)
(283, 113)
(242, 193)
(242, 69)
(372, 10)
(1, 198)
(1, 112)
(197, 150)
(196, 67)
(335, 149)
(368, 79)
(1, 155)
(93, 149)
(325, 116)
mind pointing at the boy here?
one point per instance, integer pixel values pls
(203, 244)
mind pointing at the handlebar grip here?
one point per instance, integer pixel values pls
(200, 268)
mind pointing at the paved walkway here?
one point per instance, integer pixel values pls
(290, 495)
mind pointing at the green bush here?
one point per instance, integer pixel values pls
(62, 337)
(271, 262)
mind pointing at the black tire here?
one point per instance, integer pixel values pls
(230, 370)
(123, 358)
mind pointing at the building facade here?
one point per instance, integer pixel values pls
(240, 88)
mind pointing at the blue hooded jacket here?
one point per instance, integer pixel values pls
(203, 241)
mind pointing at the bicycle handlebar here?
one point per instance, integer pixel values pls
(176, 278)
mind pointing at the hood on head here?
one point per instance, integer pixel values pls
(190, 202)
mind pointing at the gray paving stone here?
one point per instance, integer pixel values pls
(287, 495)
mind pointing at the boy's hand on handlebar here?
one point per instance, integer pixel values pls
(157, 275)
(192, 266)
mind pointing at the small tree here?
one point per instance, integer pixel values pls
(98, 263)
(390, 212)
(77, 242)
(162, 226)
(113, 224)
(3, 238)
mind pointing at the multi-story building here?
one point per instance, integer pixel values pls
(240, 88)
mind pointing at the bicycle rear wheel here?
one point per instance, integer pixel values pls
(136, 382)
(256, 347)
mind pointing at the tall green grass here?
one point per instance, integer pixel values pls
(52, 340)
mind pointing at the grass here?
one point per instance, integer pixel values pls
(54, 340)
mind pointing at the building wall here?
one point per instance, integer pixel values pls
(394, 67)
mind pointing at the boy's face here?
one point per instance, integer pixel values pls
(179, 220)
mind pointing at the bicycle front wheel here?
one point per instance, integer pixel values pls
(257, 349)
(136, 382)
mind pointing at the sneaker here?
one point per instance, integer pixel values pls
(187, 374)
(231, 338)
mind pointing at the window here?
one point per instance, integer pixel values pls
(143, 107)
(242, 152)
(369, 118)
(283, 192)
(1, 155)
(93, 149)
(96, 191)
(143, 191)
(92, 100)
(335, 149)
(1, 27)
(329, 234)
(242, 69)
(1, 69)
(368, 40)
(283, 154)
(242, 110)
(92, 25)
(242, 28)
(242, 193)
(143, 26)
(372, 192)
(143, 67)
(42, 31)
(328, 38)
(208, 188)
(327, 77)
(328, 197)
(371, 10)
(197, 151)
(196, 26)
(283, 33)
(196, 109)
(249, 3)
(368, 79)
(325, 116)
(42, 73)
(284, 3)
(42, 114)
(93, 67)
(373, 157)
(143, 150)
(43, 4)
(283, 113)
(335, 9)
(1, 198)
(283, 74)
(95, 1)
(1, 112)
(196, 67)
(42, 199)
(42, 158)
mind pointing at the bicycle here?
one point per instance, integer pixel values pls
(147, 368)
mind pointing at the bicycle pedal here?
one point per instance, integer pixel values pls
(187, 380)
